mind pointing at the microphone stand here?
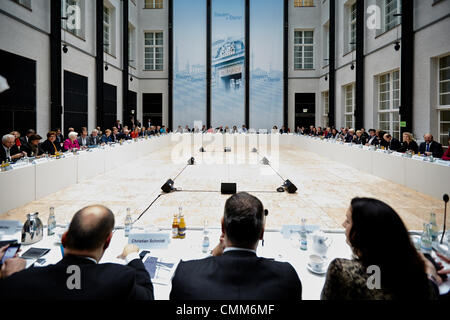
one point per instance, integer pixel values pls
(445, 198)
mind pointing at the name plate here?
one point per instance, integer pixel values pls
(68, 154)
(40, 160)
(287, 230)
(443, 163)
(381, 150)
(398, 154)
(9, 226)
(419, 158)
(150, 240)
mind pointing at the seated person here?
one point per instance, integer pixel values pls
(391, 143)
(275, 129)
(59, 137)
(402, 269)
(359, 138)
(372, 140)
(408, 144)
(83, 140)
(283, 130)
(135, 133)
(125, 135)
(107, 137)
(17, 141)
(143, 132)
(24, 139)
(51, 146)
(333, 134)
(319, 132)
(9, 151)
(364, 134)
(115, 135)
(72, 142)
(94, 139)
(446, 155)
(235, 271)
(348, 138)
(186, 129)
(89, 235)
(33, 148)
(431, 147)
(179, 130)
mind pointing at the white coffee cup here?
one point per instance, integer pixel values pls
(316, 262)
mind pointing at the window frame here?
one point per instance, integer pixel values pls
(302, 46)
(155, 4)
(347, 113)
(442, 107)
(325, 108)
(107, 45)
(392, 111)
(154, 47)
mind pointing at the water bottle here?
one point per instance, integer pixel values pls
(205, 244)
(303, 236)
(433, 227)
(425, 239)
(128, 223)
(51, 223)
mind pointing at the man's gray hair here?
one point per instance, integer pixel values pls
(6, 137)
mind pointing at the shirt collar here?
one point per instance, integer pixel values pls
(238, 249)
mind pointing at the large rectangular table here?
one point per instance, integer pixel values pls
(420, 175)
(34, 181)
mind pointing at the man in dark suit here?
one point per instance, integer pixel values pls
(235, 272)
(391, 143)
(431, 147)
(51, 146)
(94, 138)
(373, 140)
(78, 276)
(24, 139)
(9, 151)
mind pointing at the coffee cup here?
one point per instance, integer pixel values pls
(316, 262)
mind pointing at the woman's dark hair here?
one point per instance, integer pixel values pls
(379, 237)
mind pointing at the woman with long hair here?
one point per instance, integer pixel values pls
(378, 238)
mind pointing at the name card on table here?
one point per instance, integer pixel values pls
(9, 226)
(40, 160)
(287, 230)
(68, 154)
(150, 240)
(397, 154)
(443, 163)
(19, 164)
(419, 158)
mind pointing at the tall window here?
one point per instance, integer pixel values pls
(326, 45)
(303, 3)
(391, 8)
(66, 11)
(349, 106)
(304, 50)
(352, 42)
(389, 103)
(154, 51)
(326, 109)
(107, 29)
(153, 4)
(444, 100)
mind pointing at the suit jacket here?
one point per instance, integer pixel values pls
(362, 140)
(29, 150)
(47, 146)
(374, 141)
(236, 275)
(23, 140)
(394, 144)
(411, 146)
(435, 148)
(93, 141)
(80, 141)
(98, 282)
(14, 150)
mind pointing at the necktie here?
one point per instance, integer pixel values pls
(428, 147)
(54, 147)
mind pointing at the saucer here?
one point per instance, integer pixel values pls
(319, 272)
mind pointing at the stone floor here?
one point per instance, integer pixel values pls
(325, 189)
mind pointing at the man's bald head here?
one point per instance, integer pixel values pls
(89, 228)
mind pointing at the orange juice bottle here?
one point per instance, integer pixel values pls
(181, 226)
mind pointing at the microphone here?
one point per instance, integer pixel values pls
(445, 198)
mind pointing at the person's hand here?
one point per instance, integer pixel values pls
(430, 269)
(3, 250)
(129, 248)
(445, 259)
(218, 250)
(11, 266)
